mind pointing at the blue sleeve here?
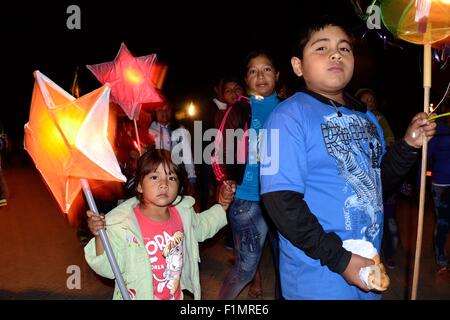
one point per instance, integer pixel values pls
(283, 151)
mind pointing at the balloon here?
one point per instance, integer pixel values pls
(419, 22)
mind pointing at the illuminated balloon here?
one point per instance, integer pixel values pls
(422, 22)
(419, 22)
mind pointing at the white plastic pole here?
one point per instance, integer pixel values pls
(105, 242)
(137, 137)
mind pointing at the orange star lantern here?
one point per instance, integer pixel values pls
(67, 139)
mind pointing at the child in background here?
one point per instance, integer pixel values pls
(167, 135)
(155, 235)
(391, 236)
(439, 160)
(247, 218)
(230, 90)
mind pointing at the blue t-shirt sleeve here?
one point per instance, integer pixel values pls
(283, 150)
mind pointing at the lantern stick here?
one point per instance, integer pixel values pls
(426, 105)
(137, 137)
(105, 242)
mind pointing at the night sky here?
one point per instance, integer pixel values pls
(199, 41)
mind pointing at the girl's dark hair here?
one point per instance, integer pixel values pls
(257, 53)
(316, 24)
(150, 161)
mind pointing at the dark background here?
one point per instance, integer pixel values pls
(199, 41)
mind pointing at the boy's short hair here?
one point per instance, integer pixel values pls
(317, 24)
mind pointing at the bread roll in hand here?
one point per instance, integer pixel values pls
(375, 276)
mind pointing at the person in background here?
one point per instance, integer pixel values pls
(230, 90)
(368, 97)
(166, 135)
(248, 222)
(207, 181)
(439, 161)
(391, 236)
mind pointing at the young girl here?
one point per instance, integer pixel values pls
(249, 227)
(155, 235)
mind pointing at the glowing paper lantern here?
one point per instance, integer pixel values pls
(67, 139)
(158, 75)
(131, 80)
(419, 22)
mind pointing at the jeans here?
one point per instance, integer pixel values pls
(441, 197)
(249, 234)
(391, 236)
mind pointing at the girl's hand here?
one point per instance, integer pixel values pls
(225, 194)
(95, 222)
(419, 128)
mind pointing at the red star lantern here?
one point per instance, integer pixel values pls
(130, 79)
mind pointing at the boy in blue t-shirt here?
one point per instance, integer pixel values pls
(322, 180)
